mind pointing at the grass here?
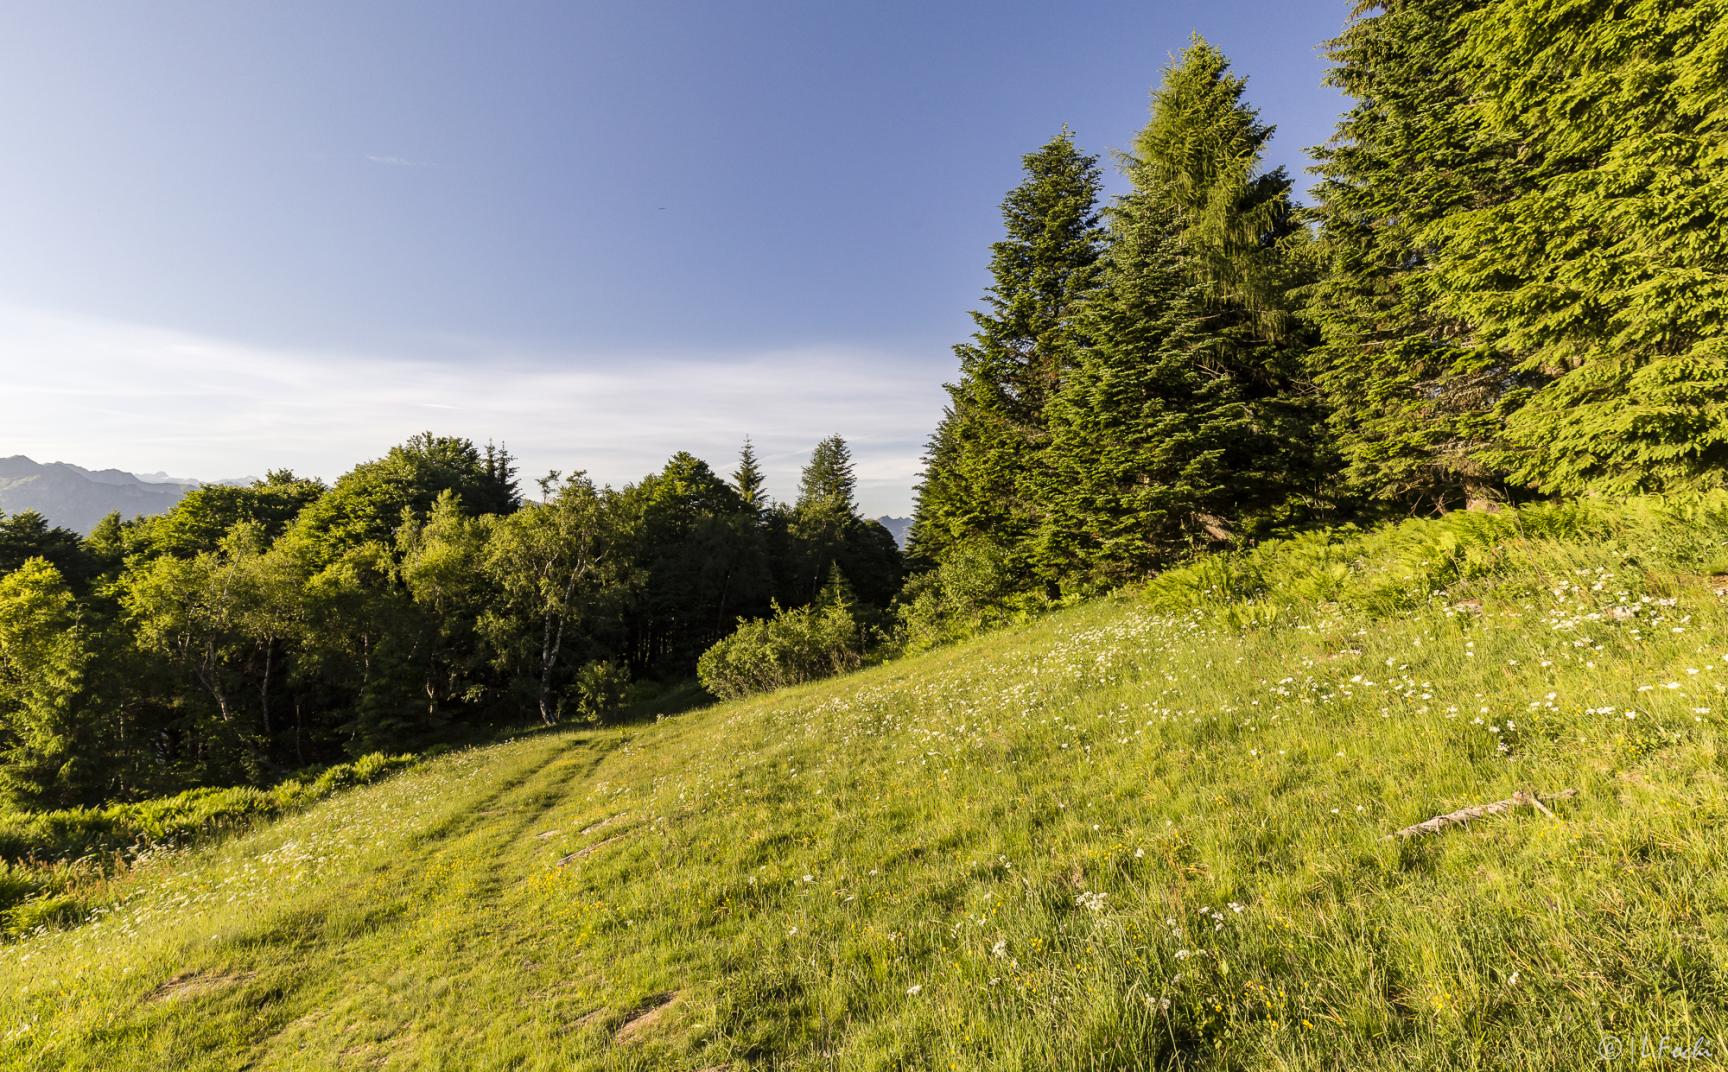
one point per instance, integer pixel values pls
(1144, 832)
(51, 862)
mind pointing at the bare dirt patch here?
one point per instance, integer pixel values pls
(601, 825)
(194, 983)
(590, 850)
(646, 1017)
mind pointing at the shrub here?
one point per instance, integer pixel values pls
(973, 590)
(73, 832)
(599, 687)
(793, 646)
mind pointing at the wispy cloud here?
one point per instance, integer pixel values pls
(148, 398)
(398, 161)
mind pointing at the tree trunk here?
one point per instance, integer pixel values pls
(548, 657)
(264, 687)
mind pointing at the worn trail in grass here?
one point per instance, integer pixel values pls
(1126, 836)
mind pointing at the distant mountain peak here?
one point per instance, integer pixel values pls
(898, 527)
(77, 498)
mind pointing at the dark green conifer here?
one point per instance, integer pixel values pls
(979, 469)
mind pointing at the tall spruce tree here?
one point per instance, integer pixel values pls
(1416, 395)
(1603, 269)
(829, 481)
(979, 468)
(1201, 156)
(1526, 253)
(1187, 421)
(747, 479)
(825, 533)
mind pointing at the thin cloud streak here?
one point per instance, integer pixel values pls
(153, 399)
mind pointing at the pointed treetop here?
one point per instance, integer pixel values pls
(747, 479)
(829, 480)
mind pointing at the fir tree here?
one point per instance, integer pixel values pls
(825, 533)
(1416, 397)
(1186, 422)
(747, 479)
(1603, 269)
(978, 479)
(829, 482)
(1200, 155)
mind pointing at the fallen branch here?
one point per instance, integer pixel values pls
(1521, 798)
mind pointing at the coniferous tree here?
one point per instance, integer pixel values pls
(1602, 269)
(1416, 395)
(1522, 223)
(829, 481)
(978, 478)
(747, 479)
(1200, 156)
(1186, 422)
(825, 532)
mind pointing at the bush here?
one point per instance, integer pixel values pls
(793, 646)
(971, 591)
(123, 828)
(599, 687)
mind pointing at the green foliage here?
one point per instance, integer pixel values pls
(748, 480)
(1396, 569)
(824, 533)
(206, 514)
(599, 689)
(1604, 268)
(368, 502)
(43, 658)
(1199, 158)
(699, 561)
(442, 568)
(1415, 396)
(1522, 229)
(1186, 422)
(828, 482)
(27, 534)
(556, 564)
(791, 647)
(981, 458)
(972, 590)
(258, 629)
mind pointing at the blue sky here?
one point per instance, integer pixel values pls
(239, 236)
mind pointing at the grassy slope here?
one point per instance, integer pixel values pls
(1119, 837)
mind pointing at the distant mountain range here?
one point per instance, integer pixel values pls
(899, 527)
(77, 498)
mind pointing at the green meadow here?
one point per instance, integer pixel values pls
(1149, 831)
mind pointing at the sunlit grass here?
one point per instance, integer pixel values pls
(1131, 835)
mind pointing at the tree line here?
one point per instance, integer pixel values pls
(255, 630)
(1513, 283)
